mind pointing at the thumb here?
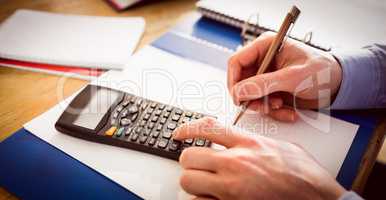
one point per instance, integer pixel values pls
(255, 87)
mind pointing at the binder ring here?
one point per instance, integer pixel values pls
(250, 26)
(308, 37)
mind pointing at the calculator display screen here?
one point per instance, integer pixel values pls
(99, 102)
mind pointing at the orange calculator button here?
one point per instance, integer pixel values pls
(111, 131)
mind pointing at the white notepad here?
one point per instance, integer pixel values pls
(70, 40)
(192, 85)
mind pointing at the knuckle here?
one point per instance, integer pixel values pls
(208, 122)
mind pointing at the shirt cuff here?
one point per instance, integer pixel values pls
(360, 80)
(350, 196)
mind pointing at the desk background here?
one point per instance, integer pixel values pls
(25, 95)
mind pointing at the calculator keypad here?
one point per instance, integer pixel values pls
(151, 124)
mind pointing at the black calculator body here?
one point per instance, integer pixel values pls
(109, 116)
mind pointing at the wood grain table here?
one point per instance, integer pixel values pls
(24, 95)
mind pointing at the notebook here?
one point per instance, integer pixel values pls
(64, 71)
(326, 24)
(70, 40)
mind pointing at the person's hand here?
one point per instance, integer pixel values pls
(250, 168)
(299, 76)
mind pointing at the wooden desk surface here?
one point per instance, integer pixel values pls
(24, 95)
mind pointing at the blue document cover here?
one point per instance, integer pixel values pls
(33, 169)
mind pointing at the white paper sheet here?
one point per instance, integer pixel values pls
(161, 76)
(70, 40)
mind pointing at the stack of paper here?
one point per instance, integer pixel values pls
(68, 44)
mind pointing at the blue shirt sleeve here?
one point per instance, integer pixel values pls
(350, 196)
(364, 78)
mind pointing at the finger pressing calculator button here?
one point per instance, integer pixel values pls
(125, 122)
(163, 143)
(111, 131)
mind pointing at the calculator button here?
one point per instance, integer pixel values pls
(143, 106)
(154, 119)
(159, 127)
(134, 117)
(132, 100)
(198, 116)
(119, 108)
(166, 114)
(176, 117)
(143, 123)
(153, 105)
(200, 142)
(133, 109)
(115, 115)
(169, 108)
(146, 117)
(167, 134)
(138, 130)
(147, 132)
(126, 102)
(113, 121)
(150, 110)
(188, 141)
(186, 119)
(111, 131)
(163, 143)
(163, 120)
(139, 101)
(134, 137)
(155, 134)
(152, 141)
(172, 126)
(128, 131)
(143, 139)
(150, 125)
(161, 107)
(178, 111)
(174, 145)
(120, 131)
(125, 122)
(124, 113)
(188, 114)
(158, 112)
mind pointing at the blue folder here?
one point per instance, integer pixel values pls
(34, 169)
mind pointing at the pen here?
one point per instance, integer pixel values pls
(272, 51)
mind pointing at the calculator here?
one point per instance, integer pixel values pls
(113, 117)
